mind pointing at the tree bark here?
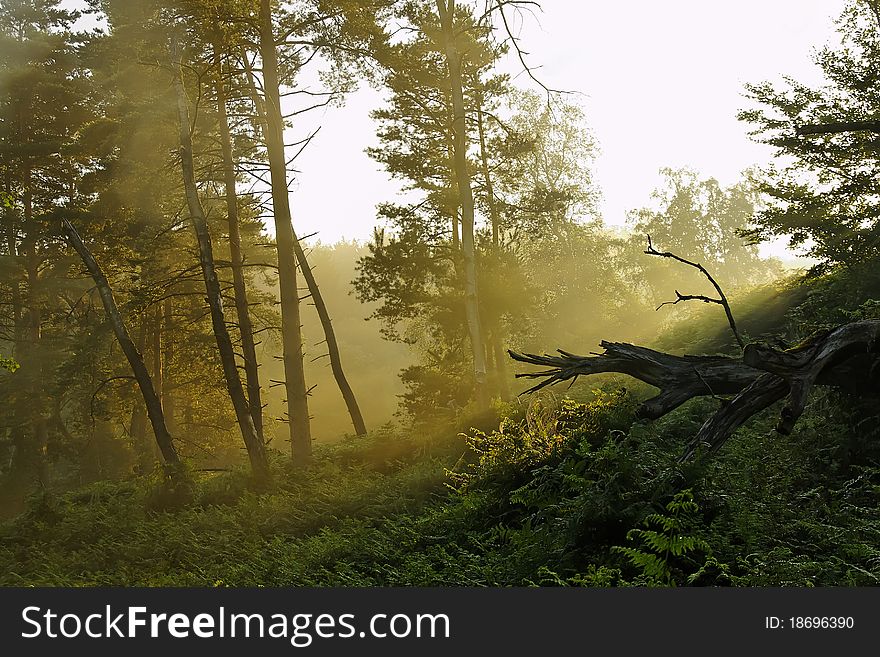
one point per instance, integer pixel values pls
(138, 427)
(348, 395)
(158, 371)
(256, 449)
(446, 10)
(135, 360)
(291, 323)
(168, 399)
(847, 358)
(242, 311)
(501, 373)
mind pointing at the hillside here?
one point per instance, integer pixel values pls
(552, 491)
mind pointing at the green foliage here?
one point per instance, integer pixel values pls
(663, 540)
(548, 499)
(822, 192)
(8, 364)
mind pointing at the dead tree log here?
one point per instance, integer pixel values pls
(679, 378)
(847, 358)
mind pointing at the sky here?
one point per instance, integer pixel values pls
(661, 84)
(661, 81)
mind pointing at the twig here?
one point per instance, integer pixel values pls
(721, 300)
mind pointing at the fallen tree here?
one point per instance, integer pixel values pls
(847, 357)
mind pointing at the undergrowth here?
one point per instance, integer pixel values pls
(564, 493)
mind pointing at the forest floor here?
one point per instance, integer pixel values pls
(550, 491)
(550, 498)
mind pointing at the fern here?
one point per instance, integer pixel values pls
(663, 540)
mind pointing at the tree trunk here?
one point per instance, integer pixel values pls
(351, 404)
(495, 322)
(135, 360)
(847, 358)
(168, 401)
(315, 292)
(156, 351)
(256, 449)
(291, 324)
(138, 429)
(487, 180)
(242, 311)
(17, 434)
(453, 184)
(446, 10)
(31, 356)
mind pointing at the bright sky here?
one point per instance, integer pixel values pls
(661, 83)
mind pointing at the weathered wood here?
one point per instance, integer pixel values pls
(679, 378)
(847, 358)
(762, 393)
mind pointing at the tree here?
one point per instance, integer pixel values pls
(41, 77)
(532, 187)
(336, 31)
(252, 439)
(456, 48)
(136, 362)
(823, 193)
(425, 269)
(294, 374)
(242, 310)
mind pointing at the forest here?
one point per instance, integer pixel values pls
(196, 392)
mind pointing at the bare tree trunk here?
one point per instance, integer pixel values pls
(249, 350)
(12, 248)
(168, 401)
(291, 323)
(847, 358)
(255, 447)
(156, 352)
(446, 9)
(135, 360)
(315, 292)
(32, 333)
(450, 153)
(351, 404)
(487, 179)
(158, 368)
(138, 428)
(494, 322)
(17, 435)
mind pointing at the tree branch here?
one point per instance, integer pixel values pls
(721, 301)
(837, 127)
